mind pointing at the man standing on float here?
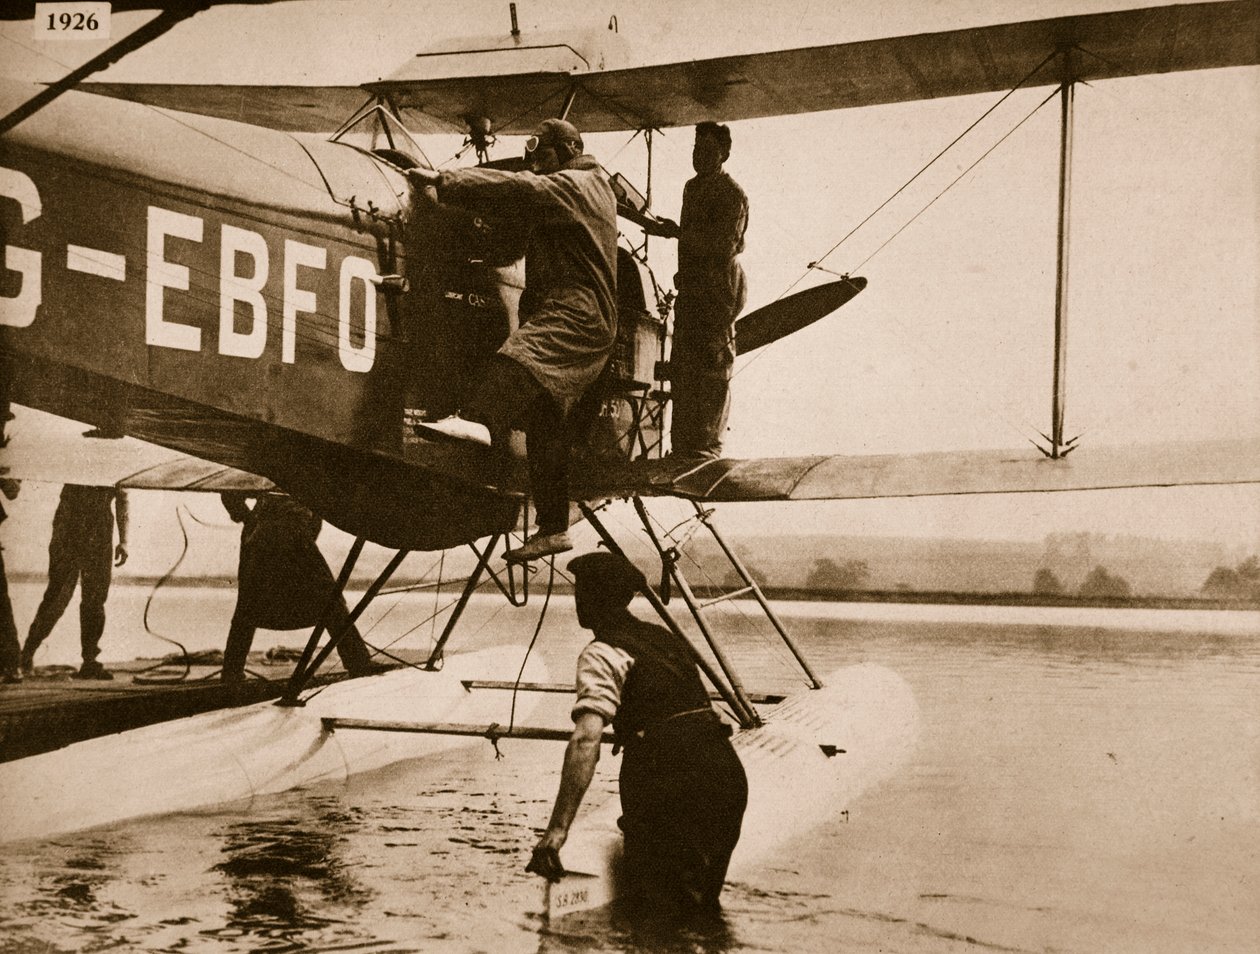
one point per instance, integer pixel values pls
(711, 294)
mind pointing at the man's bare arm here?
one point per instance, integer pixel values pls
(581, 755)
(122, 515)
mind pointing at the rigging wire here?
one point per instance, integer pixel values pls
(624, 146)
(330, 325)
(161, 112)
(634, 534)
(525, 112)
(772, 642)
(542, 615)
(1005, 96)
(960, 176)
(910, 339)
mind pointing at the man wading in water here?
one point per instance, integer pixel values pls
(683, 789)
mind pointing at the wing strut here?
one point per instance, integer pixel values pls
(733, 694)
(303, 673)
(474, 579)
(1067, 99)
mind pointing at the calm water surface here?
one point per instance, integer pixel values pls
(1075, 788)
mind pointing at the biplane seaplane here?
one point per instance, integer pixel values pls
(241, 281)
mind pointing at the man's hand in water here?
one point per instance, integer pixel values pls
(545, 860)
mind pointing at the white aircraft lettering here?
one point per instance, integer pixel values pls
(239, 283)
(361, 358)
(163, 274)
(19, 310)
(94, 261)
(234, 288)
(242, 283)
(297, 299)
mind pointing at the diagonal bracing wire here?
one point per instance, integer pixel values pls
(1019, 429)
(1005, 96)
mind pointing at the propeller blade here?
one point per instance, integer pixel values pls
(780, 318)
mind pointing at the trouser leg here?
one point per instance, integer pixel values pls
(684, 808)
(501, 396)
(701, 362)
(63, 574)
(353, 652)
(547, 441)
(10, 649)
(98, 568)
(702, 406)
(508, 396)
(235, 652)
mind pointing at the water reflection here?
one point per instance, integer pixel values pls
(1076, 789)
(626, 932)
(287, 876)
(71, 891)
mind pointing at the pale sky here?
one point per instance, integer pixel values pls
(950, 345)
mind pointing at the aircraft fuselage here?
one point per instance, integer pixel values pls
(217, 288)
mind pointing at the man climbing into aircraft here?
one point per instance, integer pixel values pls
(81, 549)
(683, 789)
(283, 581)
(711, 294)
(568, 317)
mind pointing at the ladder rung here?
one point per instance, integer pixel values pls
(726, 596)
(761, 698)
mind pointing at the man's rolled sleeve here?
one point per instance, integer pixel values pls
(601, 674)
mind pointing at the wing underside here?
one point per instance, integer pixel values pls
(864, 73)
(936, 474)
(44, 447)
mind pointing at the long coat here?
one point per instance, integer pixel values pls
(283, 581)
(568, 317)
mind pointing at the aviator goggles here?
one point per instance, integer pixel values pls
(535, 143)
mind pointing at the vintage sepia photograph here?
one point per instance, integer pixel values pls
(717, 476)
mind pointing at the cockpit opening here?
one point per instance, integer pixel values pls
(376, 130)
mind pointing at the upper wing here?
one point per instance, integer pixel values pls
(292, 108)
(935, 474)
(43, 447)
(866, 73)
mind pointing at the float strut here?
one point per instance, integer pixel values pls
(302, 676)
(299, 678)
(740, 706)
(704, 516)
(470, 585)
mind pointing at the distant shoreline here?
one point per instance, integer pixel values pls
(785, 594)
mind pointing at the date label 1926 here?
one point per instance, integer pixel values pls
(72, 20)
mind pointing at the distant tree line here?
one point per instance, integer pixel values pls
(1241, 582)
(1100, 583)
(827, 574)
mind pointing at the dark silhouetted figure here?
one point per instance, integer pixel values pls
(283, 581)
(10, 648)
(81, 552)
